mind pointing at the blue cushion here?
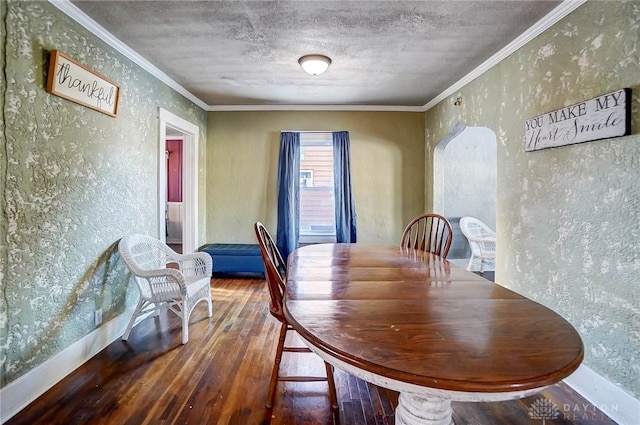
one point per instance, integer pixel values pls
(234, 249)
(235, 258)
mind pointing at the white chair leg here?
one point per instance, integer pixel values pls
(210, 306)
(137, 310)
(470, 265)
(185, 322)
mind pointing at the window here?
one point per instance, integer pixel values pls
(325, 211)
(306, 178)
(317, 203)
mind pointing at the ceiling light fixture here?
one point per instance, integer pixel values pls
(314, 64)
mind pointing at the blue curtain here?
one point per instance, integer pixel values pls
(288, 233)
(345, 205)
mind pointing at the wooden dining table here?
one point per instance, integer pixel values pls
(413, 322)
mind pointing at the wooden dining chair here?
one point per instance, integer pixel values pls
(428, 232)
(275, 274)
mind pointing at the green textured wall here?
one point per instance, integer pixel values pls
(568, 218)
(74, 182)
(3, 215)
(387, 155)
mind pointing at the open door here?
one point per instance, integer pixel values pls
(173, 124)
(175, 206)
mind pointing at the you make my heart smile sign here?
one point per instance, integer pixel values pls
(603, 117)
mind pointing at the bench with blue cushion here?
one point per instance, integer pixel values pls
(235, 258)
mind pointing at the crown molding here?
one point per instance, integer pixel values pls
(369, 108)
(543, 24)
(96, 29)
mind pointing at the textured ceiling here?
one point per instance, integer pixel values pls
(394, 53)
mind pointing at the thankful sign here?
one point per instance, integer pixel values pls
(76, 82)
(603, 117)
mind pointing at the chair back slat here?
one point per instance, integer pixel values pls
(471, 227)
(142, 252)
(275, 270)
(428, 232)
(147, 256)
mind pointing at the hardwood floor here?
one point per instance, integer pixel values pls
(177, 247)
(221, 377)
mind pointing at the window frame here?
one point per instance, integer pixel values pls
(306, 237)
(306, 179)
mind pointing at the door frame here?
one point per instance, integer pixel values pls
(190, 143)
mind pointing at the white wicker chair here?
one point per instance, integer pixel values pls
(481, 239)
(179, 289)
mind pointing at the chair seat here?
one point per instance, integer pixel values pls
(195, 283)
(485, 254)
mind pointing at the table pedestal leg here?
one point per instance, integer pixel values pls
(416, 409)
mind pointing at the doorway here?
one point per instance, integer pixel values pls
(465, 177)
(175, 208)
(173, 127)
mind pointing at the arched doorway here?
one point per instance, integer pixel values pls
(465, 170)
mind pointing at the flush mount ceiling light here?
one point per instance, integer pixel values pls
(314, 64)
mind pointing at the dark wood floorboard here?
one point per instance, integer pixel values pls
(221, 377)
(177, 247)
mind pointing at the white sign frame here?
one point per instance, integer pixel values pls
(76, 82)
(602, 117)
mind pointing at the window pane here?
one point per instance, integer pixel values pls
(306, 178)
(317, 212)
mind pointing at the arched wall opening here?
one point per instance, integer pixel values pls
(465, 174)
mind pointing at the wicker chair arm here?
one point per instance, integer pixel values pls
(194, 264)
(488, 239)
(159, 272)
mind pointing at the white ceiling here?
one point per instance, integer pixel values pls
(387, 53)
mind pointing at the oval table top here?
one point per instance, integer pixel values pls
(413, 317)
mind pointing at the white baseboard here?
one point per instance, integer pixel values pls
(612, 400)
(20, 393)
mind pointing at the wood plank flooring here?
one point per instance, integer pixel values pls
(221, 375)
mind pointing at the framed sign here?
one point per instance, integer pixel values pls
(73, 81)
(602, 117)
